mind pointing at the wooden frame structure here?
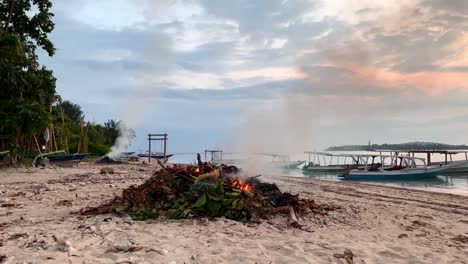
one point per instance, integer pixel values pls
(216, 155)
(157, 137)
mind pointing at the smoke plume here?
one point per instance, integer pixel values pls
(145, 87)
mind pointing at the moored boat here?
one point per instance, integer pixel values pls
(60, 158)
(155, 155)
(324, 162)
(400, 168)
(458, 166)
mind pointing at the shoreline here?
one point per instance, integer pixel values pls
(376, 223)
(431, 189)
(456, 190)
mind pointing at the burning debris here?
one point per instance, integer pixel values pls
(108, 160)
(186, 191)
(118, 159)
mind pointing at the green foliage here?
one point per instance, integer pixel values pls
(208, 198)
(32, 21)
(97, 149)
(27, 89)
(72, 111)
(111, 131)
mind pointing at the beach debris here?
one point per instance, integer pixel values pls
(108, 160)
(133, 158)
(7, 205)
(64, 203)
(18, 235)
(124, 248)
(161, 251)
(42, 162)
(461, 238)
(347, 255)
(206, 190)
(402, 235)
(39, 188)
(292, 217)
(107, 170)
(3, 259)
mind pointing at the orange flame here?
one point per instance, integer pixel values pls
(197, 170)
(237, 184)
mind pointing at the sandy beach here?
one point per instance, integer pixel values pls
(40, 223)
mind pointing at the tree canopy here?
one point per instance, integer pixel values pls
(29, 103)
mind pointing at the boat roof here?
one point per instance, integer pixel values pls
(327, 154)
(423, 151)
(270, 154)
(361, 155)
(334, 154)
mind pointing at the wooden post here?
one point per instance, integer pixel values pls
(37, 144)
(428, 159)
(149, 148)
(165, 139)
(445, 158)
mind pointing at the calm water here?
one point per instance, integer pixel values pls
(456, 183)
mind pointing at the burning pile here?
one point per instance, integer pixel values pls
(205, 190)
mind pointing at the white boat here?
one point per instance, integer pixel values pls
(399, 168)
(278, 161)
(324, 162)
(458, 166)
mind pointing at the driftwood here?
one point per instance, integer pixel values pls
(161, 164)
(293, 218)
(281, 210)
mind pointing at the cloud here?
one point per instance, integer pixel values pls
(373, 69)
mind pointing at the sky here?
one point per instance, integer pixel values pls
(267, 75)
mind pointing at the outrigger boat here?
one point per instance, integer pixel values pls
(458, 166)
(317, 162)
(61, 158)
(4, 154)
(282, 161)
(155, 155)
(279, 161)
(399, 168)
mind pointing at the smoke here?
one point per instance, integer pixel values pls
(285, 126)
(122, 142)
(144, 88)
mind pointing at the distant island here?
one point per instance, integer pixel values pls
(402, 146)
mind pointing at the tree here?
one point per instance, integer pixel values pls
(111, 131)
(72, 110)
(27, 88)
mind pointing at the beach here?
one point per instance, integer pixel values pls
(40, 223)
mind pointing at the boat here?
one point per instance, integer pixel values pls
(399, 168)
(458, 166)
(155, 155)
(60, 158)
(317, 162)
(4, 154)
(282, 161)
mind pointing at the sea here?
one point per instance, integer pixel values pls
(446, 183)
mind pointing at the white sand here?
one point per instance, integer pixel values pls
(378, 224)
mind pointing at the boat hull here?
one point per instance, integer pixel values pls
(406, 174)
(155, 156)
(458, 167)
(292, 165)
(323, 169)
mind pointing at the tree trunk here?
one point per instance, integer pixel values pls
(10, 14)
(64, 132)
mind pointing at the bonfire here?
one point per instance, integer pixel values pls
(206, 190)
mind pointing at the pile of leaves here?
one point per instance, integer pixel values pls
(186, 191)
